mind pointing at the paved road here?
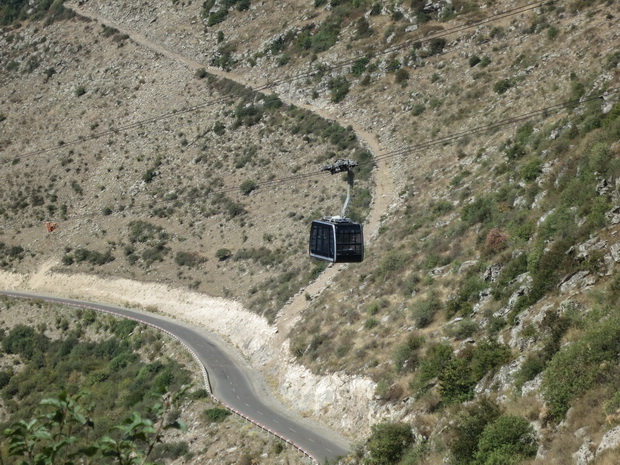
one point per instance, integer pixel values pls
(230, 380)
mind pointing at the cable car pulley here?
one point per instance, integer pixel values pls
(338, 239)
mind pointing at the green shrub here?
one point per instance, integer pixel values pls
(533, 365)
(362, 28)
(189, 259)
(401, 76)
(388, 442)
(502, 86)
(424, 312)
(339, 87)
(462, 329)
(470, 424)
(392, 262)
(405, 356)
(327, 35)
(145, 232)
(248, 115)
(508, 440)
(359, 66)
(474, 60)
(456, 382)
(223, 254)
(436, 46)
(248, 186)
(169, 450)
(25, 341)
(219, 128)
(481, 210)
(531, 169)
(582, 365)
(377, 305)
(487, 356)
(552, 32)
(200, 393)
(217, 17)
(418, 109)
(433, 363)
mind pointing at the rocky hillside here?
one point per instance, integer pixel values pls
(180, 142)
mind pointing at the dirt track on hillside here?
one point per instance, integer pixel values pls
(382, 195)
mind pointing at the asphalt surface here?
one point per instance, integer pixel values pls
(230, 380)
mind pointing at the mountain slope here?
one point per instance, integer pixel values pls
(498, 126)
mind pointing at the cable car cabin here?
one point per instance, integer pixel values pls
(337, 240)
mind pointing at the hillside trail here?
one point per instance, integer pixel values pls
(384, 186)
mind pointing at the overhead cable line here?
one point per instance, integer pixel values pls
(410, 42)
(405, 151)
(338, 65)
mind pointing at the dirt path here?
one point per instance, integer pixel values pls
(384, 188)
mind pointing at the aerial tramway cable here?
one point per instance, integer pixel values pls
(405, 151)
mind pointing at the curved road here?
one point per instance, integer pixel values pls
(228, 380)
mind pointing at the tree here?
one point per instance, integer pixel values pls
(388, 442)
(223, 254)
(508, 440)
(60, 434)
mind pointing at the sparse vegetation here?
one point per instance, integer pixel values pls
(495, 231)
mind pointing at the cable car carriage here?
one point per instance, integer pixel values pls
(338, 239)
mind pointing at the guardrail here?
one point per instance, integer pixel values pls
(205, 373)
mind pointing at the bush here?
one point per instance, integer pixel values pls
(223, 254)
(508, 440)
(359, 66)
(172, 450)
(418, 109)
(469, 427)
(388, 442)
(502, 86)
(495, 241)
(474, 60)
(436, 46)
(424, 312)
(533, 365)
(481, 210)
(189, 259)
(488, 356)
(405, 356)
(402, 76)
(339, 88)
(25, 341)
(217, 415)
(437, 358)
(248, 186)
(463, 329)
(371, 323)
(531, 169)
(456, 382)
(582, 365)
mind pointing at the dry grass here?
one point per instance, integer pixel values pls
(335, 333)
